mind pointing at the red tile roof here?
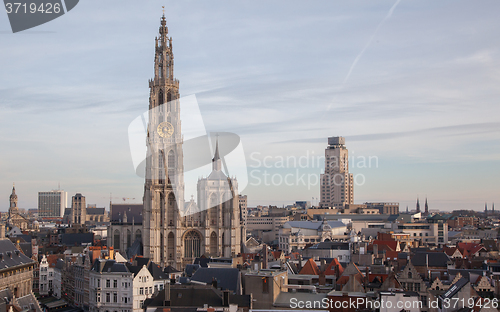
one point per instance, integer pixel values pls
(310, 268)
(331, 268)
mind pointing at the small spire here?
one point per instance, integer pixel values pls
(216, 156)
(163, 9)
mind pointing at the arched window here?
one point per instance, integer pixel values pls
(129, 239)
(161, 167)
(192, 245)
(117, 239)
(161, 98)
(410, 275)
(171, 208)
(138, 235)
(213, 210)
(162, 246)
(171, 164)
(213, 244)
(169, 97)
(171, 246)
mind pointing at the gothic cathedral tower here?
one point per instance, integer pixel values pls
(164, 183)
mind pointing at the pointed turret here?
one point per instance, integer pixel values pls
(216, 161)
(426, 211)
(418, 205)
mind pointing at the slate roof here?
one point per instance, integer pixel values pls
(331, 245)
(77, 239)
(311, 225)
(490, 245)
(157, 272)
(227, 278)
(96, 211)
(136, 249)
(196, 296)
(103, 266)
(29, 302)
(455, 288)
(435, 259)
(171, 269)
(134, 211)
(10, 256)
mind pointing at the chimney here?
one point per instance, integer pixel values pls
(367, 272)
(225, 298)
(265, 256)
(323, 265)
(166, 291)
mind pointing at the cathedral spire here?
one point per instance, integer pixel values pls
(418, 205)
(426, 207)
(216, 161)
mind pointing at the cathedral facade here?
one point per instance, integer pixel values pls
(175, 233)
(15, 219)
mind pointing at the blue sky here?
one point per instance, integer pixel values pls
(415, 86)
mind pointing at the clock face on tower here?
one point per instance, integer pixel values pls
(165, 129)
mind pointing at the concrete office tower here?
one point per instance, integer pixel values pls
(337, 188)
(78, 209)
(52, 204)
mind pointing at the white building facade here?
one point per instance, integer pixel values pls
(52, 204)
(295, 235)
(337, 187)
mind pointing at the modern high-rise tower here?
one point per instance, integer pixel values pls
(52, 204)
(336, 183)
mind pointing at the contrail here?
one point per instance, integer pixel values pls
(389, 14)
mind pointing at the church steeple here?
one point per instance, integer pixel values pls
(13, 200)
(216, 161)
(418, 205)
(426, 207)
(164, 58)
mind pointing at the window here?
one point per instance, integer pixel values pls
(108, 283)
(141, 291)
(115, 297)
(98, 283)
(150, 290)
(141, 303)
(115, 283)
(108, 297)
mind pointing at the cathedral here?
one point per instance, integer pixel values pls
(174, 232)
(15, 219)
